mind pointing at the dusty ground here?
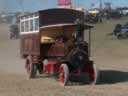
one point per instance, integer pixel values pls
(109, 54)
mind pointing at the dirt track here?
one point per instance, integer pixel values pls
(9, 52)
(109, 54)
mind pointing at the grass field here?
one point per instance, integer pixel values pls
(109, 54)
(107, 48)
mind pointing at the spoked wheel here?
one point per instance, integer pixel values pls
(30, 68)
(64, 74)
(93, 74)
(119, 36)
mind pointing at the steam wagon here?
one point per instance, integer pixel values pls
(53, 41)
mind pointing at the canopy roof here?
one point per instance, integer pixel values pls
(87, 26)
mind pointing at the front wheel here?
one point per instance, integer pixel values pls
(93, 74)
(119, 36)
(30, 68)
(64, 74)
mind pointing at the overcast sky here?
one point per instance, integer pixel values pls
(34, 5)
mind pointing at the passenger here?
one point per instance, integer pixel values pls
(61, 38)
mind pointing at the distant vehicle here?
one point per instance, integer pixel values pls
(121, 31)
(93, 18)
(115, 15)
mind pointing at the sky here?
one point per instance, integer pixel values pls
(35, 5)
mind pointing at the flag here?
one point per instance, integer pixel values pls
(64, 2)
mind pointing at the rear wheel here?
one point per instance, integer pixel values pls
(30, 68)
(40, 68)
(64, 74)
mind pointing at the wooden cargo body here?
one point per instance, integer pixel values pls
(51, 22)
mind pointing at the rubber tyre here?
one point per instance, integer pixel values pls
(40, 68)
(31, 68)
(33, 71)
(64, 74)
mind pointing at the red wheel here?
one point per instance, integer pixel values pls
(93, 74)
(30, 68)
(64, 74)
(28, 65)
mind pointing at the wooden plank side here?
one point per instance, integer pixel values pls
(30, 44)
